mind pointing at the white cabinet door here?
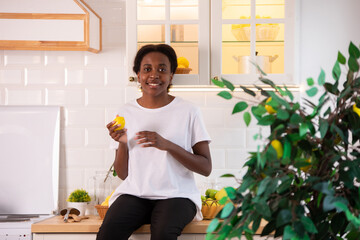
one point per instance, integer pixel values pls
(219, 38)
(182, 24)
(253, 31)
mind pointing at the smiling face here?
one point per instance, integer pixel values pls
(155, 74)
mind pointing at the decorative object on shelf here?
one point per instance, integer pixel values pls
(79, 199)
(183, 66)
(264, 31)
(183, 70)
(304, 181)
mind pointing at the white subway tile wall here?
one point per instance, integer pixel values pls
(90, 87)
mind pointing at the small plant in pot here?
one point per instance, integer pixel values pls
(79, 199)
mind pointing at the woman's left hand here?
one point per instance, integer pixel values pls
(151, 139)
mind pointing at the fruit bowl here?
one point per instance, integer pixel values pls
(183, 70)
(101, 210)
(209, 212)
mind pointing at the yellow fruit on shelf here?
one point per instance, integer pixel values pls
(181, 66)
(119, 121)
(356, 109)
(276, 144)
(183, 62)
(269, 108)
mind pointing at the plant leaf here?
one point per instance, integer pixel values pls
(324, 126)
(353, 64)
(310, 81)
(226, 211)
(312, 91)
(321, 78)
(283, 217)
(291, 96)
(218, 83)
(248, 91)
(341, 59)
(303, 129)
(336, 71)
(308, 224)
(239, 107)
(268, 82)
(354, 51)
(247, 118)
(282, 114)
(231, 192)
(228, 84)
(266, 120)
(213, 225)
(289, 233)
(225, 94)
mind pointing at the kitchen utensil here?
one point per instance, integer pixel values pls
(77, 218)
(65, 212)
(245, 63)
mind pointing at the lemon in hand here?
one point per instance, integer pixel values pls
(119, 121)
(269, 108)
(183, 62)
(276, 144)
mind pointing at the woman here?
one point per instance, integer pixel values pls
(164, 142)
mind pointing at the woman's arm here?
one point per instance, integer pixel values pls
(121, 161)
(199, 161)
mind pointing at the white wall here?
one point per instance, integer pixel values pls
(90, 87)
(327, 26)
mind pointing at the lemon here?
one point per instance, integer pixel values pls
(183, 61)
(269, 108)
(356, 109)
(276, 144)
(220, 194)
(181, 66)
(119, 121)
(306, 168)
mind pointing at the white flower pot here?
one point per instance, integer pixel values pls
(81, 206)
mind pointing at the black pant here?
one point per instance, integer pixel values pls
(167, 217)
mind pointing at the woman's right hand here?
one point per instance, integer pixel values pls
(119, 135)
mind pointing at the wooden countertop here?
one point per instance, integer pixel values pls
(92, 224)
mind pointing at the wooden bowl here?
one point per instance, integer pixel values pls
(101, 210)
(183, 70)
(209, 212)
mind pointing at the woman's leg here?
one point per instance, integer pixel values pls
(124, 216)
(170, 216)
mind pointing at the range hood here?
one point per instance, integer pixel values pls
(66, 25)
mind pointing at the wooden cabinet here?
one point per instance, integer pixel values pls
(68, 25)
(220, 38)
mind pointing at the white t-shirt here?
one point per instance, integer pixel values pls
(153, 173)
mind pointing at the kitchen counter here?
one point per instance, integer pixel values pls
(92, 224)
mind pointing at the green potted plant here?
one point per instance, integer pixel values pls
(304, 180)
(79, 199)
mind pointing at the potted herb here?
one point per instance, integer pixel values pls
(79, 199)
(304, 180)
